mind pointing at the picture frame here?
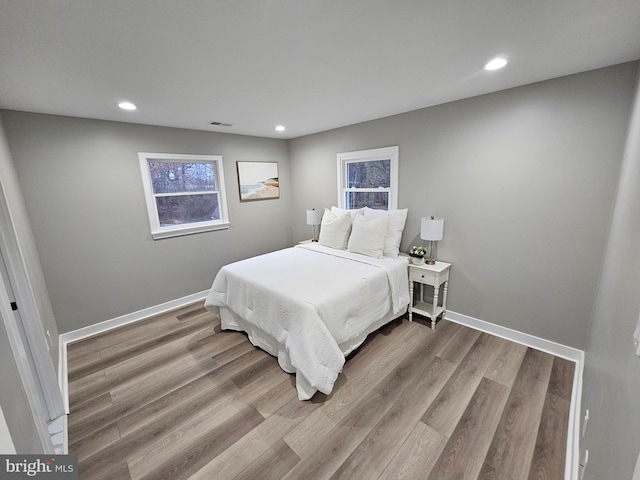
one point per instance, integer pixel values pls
(258, 181)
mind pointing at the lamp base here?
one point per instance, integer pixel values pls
(432, 252)
(314, 238)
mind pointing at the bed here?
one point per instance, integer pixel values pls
(310, 306)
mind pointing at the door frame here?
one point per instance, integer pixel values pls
(40, 384)
(25, 370)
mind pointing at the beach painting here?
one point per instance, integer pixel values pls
(258, 180)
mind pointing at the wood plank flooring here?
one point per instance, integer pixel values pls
(174, 397)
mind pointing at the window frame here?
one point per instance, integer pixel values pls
(158, 231)
(384, 153)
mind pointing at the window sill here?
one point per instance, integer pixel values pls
(177, 232)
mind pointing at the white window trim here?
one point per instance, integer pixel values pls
(157, 231)
(383, 153)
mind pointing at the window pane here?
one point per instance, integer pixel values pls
(187, 209)
(372, 174)
(181, 177)
(375, 200)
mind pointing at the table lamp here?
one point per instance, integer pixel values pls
(432, 230)
(314, 218)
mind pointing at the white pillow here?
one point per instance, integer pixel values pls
(354, 212)
(368, 236)
(334, 230)
(397, 220)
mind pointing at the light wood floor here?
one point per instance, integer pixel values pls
(169, 399)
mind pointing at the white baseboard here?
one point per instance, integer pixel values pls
(107, 325)
(532, 341)
(553, 348)
(62, 372)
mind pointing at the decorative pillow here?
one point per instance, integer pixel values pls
(397, 220)
(368, 236)
(341, 211)
(334, 230)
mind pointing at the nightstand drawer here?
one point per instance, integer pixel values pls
(422, 276)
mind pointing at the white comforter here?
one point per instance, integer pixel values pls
(310, 306)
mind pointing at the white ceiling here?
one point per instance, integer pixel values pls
(311, 65)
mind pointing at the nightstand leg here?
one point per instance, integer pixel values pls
(435, 306)
(444, 298)
(410, 301)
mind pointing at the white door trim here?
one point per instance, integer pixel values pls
(27, 301)
(41, 386)
(29, 382)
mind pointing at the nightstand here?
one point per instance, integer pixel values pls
(434, 275)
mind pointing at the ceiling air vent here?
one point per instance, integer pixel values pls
(221, 124)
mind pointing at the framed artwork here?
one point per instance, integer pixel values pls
(258, 180)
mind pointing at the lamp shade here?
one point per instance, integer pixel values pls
(431, 228)
(314, 217)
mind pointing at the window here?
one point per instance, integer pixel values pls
(185, 193)
(368, 178)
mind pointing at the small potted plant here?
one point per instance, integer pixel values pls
(417, 255)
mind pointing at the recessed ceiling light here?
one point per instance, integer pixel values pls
(127, 106)
(280, 128)
(496, 64)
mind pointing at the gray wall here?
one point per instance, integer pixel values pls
(83, 192)
(612, 370)
(525, 179)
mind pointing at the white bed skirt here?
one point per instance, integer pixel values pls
(229, 320)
